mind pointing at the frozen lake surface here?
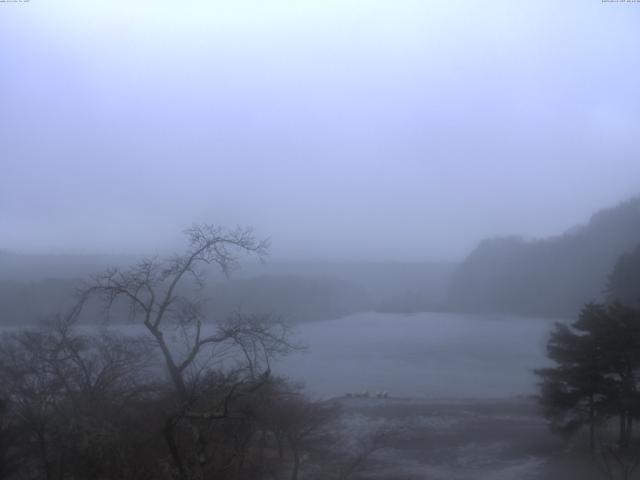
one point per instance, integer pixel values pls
(437, 355)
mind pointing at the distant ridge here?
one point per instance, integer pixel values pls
(36, 286)
(552, 276)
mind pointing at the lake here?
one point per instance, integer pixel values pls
(435, 355)
(426, 355)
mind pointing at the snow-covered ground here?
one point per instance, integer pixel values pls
(463, 440)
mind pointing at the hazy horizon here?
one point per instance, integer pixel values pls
(339, 129)
(280, 258)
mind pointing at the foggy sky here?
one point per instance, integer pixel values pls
(364, 129)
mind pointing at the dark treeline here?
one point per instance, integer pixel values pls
(31, 287)
(550, 277)
(296, 298)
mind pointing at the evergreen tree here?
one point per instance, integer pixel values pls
(624, 281)
(597, 361)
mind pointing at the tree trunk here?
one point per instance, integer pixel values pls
(622, 434)
(44, 457)
(174, 372)
(261, 447)
(280, 442)
(592, 424)
(296, 463)
(167, 432)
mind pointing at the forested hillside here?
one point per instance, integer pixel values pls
(552, 276)
(35, 287)
(624, 282)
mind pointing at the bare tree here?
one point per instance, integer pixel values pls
(613, 460)
(66, 396)
(184, 400)
(359, 458)
(164, 295)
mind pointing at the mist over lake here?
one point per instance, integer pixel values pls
(320, 240)
(428, 355)
(438, 355)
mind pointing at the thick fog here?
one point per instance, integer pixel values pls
(340, 129)
(447, 194)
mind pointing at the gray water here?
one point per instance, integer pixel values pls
(436, 355)
(433, 355)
